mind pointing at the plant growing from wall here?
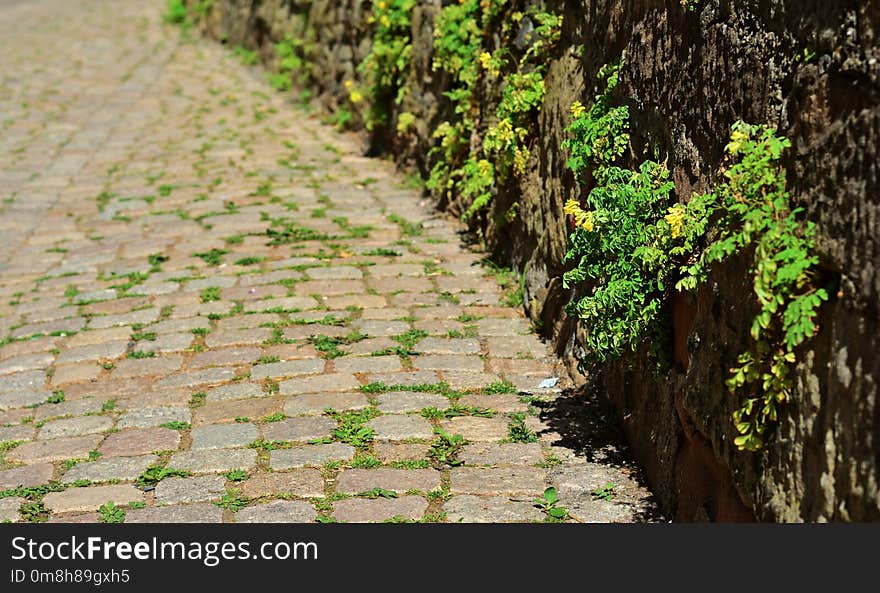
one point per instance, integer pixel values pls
(615, 228)
(752, 212)
(175, 12)
(629, 245)
(464, 166)
(386, 67)
(290, 64)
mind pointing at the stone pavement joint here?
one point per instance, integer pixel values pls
(214, 309)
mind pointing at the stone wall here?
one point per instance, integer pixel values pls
(808, 67)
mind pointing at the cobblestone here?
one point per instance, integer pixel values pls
(212, 461)
(508, 481)
(310, 455)
(137, 441)
(26, 475)
(223, 436)
(114, 468)
(54, 450)
(9, 509)
(186, 490)
(398, 427)
(490, 509)
(399, 402)
(475, 428)
(299, 429)
(71, 427)
(305, 482)
(154, 416)
(365, 510)
(354, 481)
(194, 513)
(91, 497)
(277, 511)
(316, 403)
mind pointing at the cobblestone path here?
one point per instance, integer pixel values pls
(213, 309)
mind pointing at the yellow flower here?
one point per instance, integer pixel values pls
(355, 96)
(404, 121)
(348, 84)
(485, 59)
(577, 109)
(484, 167)
(582, 218)
(675, 220)
(504, 131)
(737, 138)
(520, 160)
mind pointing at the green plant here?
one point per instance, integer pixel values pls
(499, 387)
(203, 7)
(328, 347)
(237, 475)
(9, 445)
(34, 512)
(266, 445)
(246, 56)
(410, 338)
(156, 473)
(410, 229)
(378, 493)
(176, 425)
(175, 12)
(753, 213)
(446, 448)
(549, 505)
(214, 257)
(386, 66)
(518, 432)
(614, 229)
(383, 251)
(410, 464)
(511, 283)
(292, 232)
(56, 398)
(210, 294)
(352, 429)
(365, 460)
(605, 492)
(456, 410)
(290, 63)
(138, 336)
(464, 51)
(232, 500)
(110, 513)
(629, 245)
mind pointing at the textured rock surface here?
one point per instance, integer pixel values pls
(688, 76)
